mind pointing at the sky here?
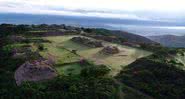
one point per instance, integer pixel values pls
(157, 10)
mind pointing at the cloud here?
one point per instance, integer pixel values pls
(123, 9)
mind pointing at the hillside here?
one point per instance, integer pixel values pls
(155, 75)
(169, 40)
(59, 61)
(133, 37)
(129, 37)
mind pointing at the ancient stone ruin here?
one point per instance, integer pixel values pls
(37, 70)
(87, 42)
(15, 38)
(20, 53)
(25, 53)
(110, 50)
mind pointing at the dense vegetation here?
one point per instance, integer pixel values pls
(156, 75)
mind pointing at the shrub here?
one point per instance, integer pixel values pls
(95, 71)
(41, 47)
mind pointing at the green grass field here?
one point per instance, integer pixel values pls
(60, 54)
(61, 47)
(69, 69)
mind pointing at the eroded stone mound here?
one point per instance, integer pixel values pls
(110, 50)
(37, 70)
(25, 53)
(15, 38)
(87, 42)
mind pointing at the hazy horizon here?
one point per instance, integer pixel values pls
(143, 17)
(144, 28)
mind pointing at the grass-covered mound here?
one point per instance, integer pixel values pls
(156, 76)
(87, 42)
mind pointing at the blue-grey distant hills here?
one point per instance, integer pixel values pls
(140, 27)
(169, 40)
(133, 37)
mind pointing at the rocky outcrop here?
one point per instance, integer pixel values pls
(37, 70)
(87, 42)
(110, 50)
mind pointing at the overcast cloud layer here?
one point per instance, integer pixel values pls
(157, 10)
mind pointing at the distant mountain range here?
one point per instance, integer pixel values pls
(140, 27)
(169, 40)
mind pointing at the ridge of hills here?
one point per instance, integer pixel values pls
(169, 40)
